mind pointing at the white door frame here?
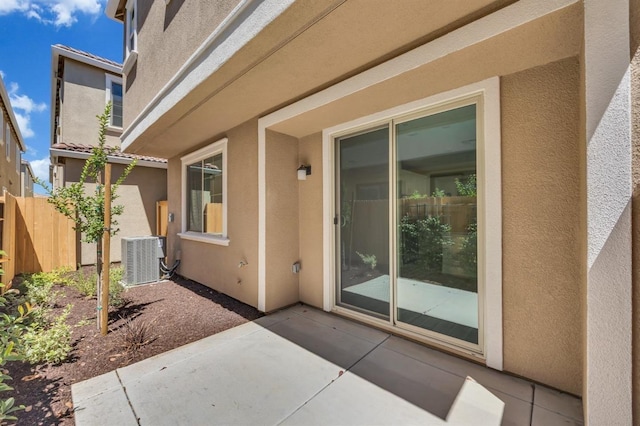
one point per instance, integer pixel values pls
(489, 207)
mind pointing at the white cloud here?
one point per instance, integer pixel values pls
(24, 123)
(23, 106)
(61, 13)
(41, 168)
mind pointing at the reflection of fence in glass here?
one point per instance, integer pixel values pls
(213, 215)
(457, 212)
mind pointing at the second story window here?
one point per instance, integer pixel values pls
(131, 28)
(114, 95)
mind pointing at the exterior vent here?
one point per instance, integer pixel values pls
(140, 260)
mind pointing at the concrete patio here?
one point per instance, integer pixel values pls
(304, 366)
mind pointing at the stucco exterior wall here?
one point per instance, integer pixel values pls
(83, 96)
(9, 175)
(282, 220)
(167, 36)
(310, 221)
(541, 230)
(634, 20)
(213, 265)
(139, 194)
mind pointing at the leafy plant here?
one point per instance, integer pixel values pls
(468, 254)
(39, 290)
(368, 259)
(416, 195)
(49, 343)
(423, 241)
(439, 193)
(468, 187)
(13, 312)
(85, 283)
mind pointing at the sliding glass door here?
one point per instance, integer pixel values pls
(407, 225)
(363, 232)
(436, 281)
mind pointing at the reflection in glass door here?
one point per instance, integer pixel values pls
(362, 186)
(436, 283)
(421, 167)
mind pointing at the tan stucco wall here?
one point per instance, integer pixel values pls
(9, 175)
(167, 36)
(83, 96)
(310, 221)
(138, 194)
(541, 228)
(213, 265)
(282, 220)
(541, 190)
(635, 134)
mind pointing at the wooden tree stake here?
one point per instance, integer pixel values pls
(106, 251)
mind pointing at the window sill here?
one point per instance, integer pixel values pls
(204, 238)
(128, 63)
(114, 129)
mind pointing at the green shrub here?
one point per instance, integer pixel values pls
(13, 311)
(50, 343)
(423, 241)
(85, 283)
(39, 290)
(115, 288)
(368, 259)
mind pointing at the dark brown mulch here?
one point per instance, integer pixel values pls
(179, 312)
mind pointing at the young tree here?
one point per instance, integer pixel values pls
(86, 209)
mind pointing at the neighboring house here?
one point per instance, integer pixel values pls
(26, 179)
(11, 147)
(470, 179)
(81, 85)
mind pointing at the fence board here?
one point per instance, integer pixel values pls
(36, 237)
(8, 238)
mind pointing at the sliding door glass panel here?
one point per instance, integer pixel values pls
(363, 222)
(437, 287)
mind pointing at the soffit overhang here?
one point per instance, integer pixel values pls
(332, 43)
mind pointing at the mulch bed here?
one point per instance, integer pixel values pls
(179, 312)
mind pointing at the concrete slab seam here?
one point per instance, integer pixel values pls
(333, 381)
(126, 395)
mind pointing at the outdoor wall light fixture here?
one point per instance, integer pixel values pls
(303, 171)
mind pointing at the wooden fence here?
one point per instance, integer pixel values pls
(35, 237)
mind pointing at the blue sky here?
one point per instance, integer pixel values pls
(28, 28)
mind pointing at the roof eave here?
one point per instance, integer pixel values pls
(115, 10)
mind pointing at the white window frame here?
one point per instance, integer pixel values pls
(131, 31)
(110, 79)
(218, 147)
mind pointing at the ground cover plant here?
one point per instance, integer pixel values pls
(144, 321)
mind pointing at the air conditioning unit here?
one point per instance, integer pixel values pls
(141, 260)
